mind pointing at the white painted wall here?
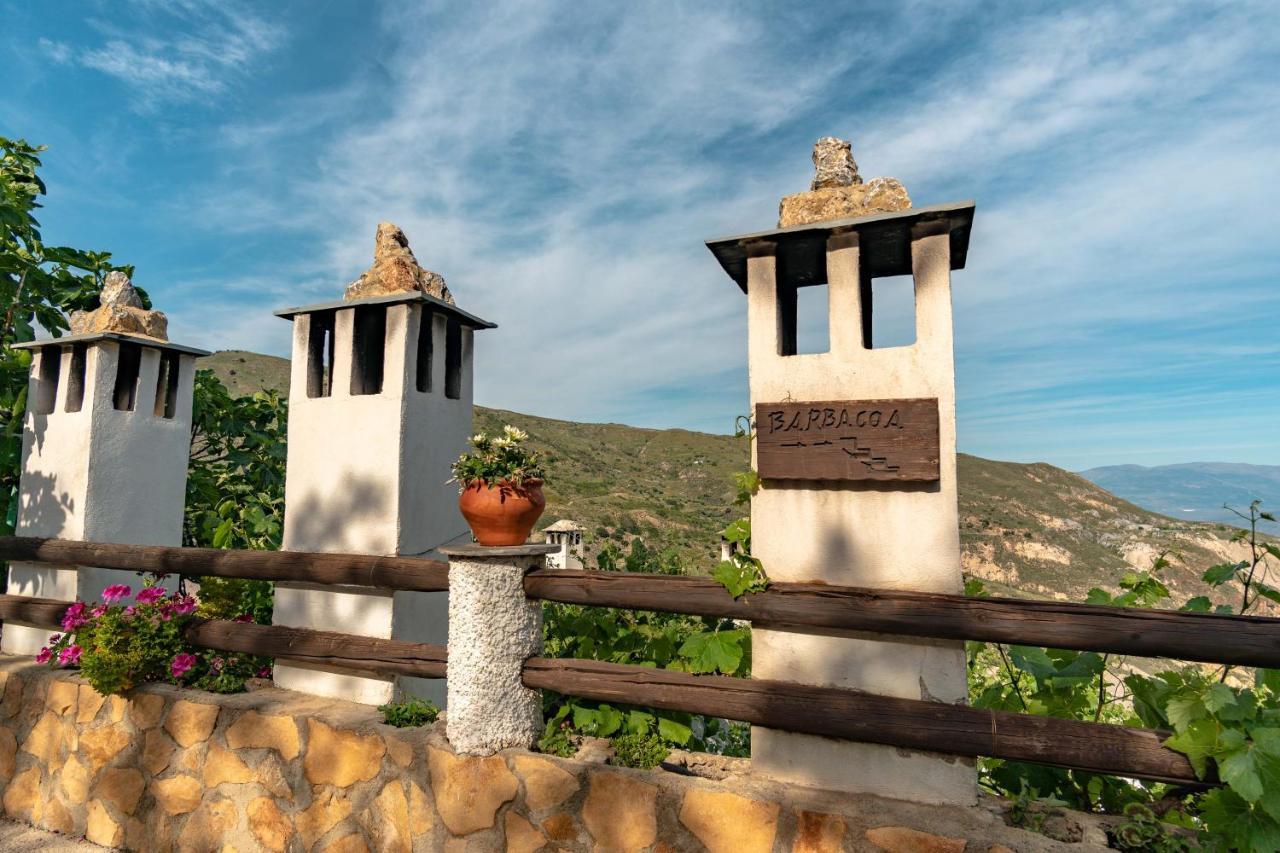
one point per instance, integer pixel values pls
(892, 536)
(367, 474)
(98, 475)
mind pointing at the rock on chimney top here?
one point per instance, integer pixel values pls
(120, 310)
(396, 270)
(838, 191)
(834, 164)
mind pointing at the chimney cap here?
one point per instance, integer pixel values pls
(884, 243)
(464, 317)
(120, 337)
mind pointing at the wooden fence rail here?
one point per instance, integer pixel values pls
(405, 573)
(820, 608)
(907, 723)
(826, 711)
(806, 607)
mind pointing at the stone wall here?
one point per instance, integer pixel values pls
(168, 769)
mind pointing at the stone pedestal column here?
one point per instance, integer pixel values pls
(105, 446)
(493, 630)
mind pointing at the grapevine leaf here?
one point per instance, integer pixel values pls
(1218, 697)
(1098, 596)
(677, 733)
(609, 720)
(1033, 660)
(1238, 769)
(639, 722)
(1197, 742)
(732, 577)
(1199, 604)
(1220, 574)
(713, 651)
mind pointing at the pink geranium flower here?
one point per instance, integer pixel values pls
(150, 595)
(74, 617)
(182, 664)
(46, 655)
(116, 592)
(69, 656)
(184, 605)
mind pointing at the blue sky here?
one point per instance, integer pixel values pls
(561, 163)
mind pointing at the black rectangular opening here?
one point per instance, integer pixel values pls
(47, 380)
(75, 382)
(368, 346)
(425, 349)
(787, 298)
(888, 312)
(167, 385)
(320, 354)
(453, 359)
(125, 396)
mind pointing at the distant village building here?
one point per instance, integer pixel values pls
(568, 536)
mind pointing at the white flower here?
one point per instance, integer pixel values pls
(514, 434)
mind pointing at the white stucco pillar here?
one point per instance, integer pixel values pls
(493, 630)
(379, 407)
(105, 446)
(857, 532)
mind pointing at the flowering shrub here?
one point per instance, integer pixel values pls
(132, 639)
(498, 459)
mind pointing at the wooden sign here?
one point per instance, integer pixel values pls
(848, 440)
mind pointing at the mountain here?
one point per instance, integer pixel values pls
(1031, 530)
(1195, 491)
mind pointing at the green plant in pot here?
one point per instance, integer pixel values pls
(500, 481)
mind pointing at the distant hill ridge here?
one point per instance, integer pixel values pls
(1194, 491)
(1032, 530)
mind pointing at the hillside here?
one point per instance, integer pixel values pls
(1195, 491)
(1028, 529)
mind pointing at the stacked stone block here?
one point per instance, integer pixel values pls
(272, 770)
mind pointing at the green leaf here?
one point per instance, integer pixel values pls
(1268, 678)
(1237, 769)
(1185, 709)
(713, 651)
(673, 732)
(1218, 697)
(732, 577)
(1199, 604)
(608, 720)
(639, 722)
(739, 530)
(1197, 742)
(1268, 592)
(1236, 824)
(1098, 596)
(584, 719)
(222, 536)
(1220, 574)
(1033, 660)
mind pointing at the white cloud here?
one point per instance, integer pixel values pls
(59, 52)
(208, 44)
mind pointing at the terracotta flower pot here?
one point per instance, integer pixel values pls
(503, 514)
